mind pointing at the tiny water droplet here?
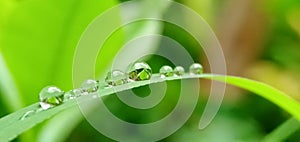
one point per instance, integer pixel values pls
(89, 86)
(104, 85)
(39, 110)
(115, 78)
(179, 70)
(78, 92)
(28, 114)
(69, 96)
(139, 71)
(73, 94)
(50, 96)
(166, 71)
(196, 69)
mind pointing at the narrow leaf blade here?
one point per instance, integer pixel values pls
(11, 125)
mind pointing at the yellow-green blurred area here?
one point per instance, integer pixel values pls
(260, 40)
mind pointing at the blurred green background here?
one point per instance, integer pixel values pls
(260, 40)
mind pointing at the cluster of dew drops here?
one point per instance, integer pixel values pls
(52, 96)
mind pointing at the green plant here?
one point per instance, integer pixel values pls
(51, 50)
(12, 125)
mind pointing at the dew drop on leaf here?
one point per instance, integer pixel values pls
(73, 94)
(115, 78)
(179, 70)
(166, 71)
(28, 114)
(89, 86)
(196, 68)
(50, 96)
(139, 71)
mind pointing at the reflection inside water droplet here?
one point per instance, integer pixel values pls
(139, 71)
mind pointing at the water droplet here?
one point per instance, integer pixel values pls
(179, 70)
(89, 86)
(73, 94)
(39, 110)
(115, 78)
(104, 85)
(78, 92)
(196, 69)
(50, 96)
(166, 71)
(139, 71)
(69, 96)
(28, 114)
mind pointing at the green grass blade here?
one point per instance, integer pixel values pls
(8, 88)
(266, 91)
(11, 125)
(56, 130)
(283, 131)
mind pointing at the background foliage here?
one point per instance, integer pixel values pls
(260, 40)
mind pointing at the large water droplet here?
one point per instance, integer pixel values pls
(115, 78)
(28, 114)
(50, 96)
(196, 69)
(89, 86)
(179, 70)
(139, 71)
(166, 71)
